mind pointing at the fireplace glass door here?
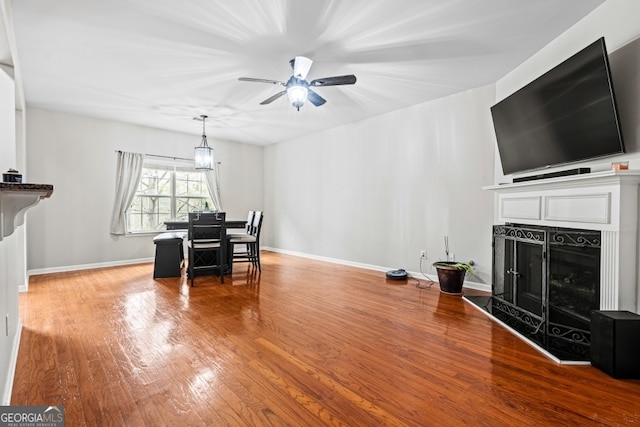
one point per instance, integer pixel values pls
(574, 279)
(528, 277)
(520, 267)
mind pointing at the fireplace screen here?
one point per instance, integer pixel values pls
(546, 281)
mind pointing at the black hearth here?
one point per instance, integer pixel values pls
(546, 282)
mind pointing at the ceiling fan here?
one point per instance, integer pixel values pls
(298, 89)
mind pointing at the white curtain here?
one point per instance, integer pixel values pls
(128, 172)
(213, 182)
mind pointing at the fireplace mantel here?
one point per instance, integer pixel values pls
(605, 201)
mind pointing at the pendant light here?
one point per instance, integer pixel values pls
(204, 153)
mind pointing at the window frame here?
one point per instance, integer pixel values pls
(174, 167)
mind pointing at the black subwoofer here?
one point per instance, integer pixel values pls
(615, 343)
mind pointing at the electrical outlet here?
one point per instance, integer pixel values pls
(423, 254)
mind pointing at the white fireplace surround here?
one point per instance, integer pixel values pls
(605, 201)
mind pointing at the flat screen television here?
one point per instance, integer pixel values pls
(564, 116)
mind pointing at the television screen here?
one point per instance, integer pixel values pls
(566, 115)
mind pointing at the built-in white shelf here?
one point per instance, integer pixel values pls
(15, 199)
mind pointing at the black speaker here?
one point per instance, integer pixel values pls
(615, 343)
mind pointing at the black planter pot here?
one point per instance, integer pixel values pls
(451, 278)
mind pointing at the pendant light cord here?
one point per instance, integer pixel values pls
(204, 135)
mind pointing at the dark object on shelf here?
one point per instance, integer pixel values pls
(451, 276)
(568, 172)
(400, 274)
(615, 344)
(12, 175)
(169, 255)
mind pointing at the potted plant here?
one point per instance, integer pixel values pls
(451, 275)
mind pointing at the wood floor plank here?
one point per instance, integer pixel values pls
(304, 342)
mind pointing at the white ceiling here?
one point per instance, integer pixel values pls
(160, 63)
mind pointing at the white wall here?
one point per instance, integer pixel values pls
(78, 156)
(378, 191)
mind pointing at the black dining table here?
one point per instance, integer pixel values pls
(175, 225)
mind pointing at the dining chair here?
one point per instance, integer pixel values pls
(244, 239)
(206, 237)
(247, 228)
(251, 241)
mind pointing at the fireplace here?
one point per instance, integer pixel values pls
(562, 248)
(546, 282)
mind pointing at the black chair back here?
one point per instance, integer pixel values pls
(206, 226)
(207, 243)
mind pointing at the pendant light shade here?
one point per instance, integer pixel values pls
(204, 154)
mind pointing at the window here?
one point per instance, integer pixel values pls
(167, 193)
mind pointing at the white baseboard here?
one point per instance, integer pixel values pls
(7, 388)
(414, 274)
(477, 286)
(63, 269)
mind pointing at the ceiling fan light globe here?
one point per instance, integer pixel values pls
(297, 96)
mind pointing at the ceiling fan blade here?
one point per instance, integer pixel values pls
(301, 66)
(251, 79)
(273, 98)
(334, 81)
(315, 99)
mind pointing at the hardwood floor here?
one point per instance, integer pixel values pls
(304, 343)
